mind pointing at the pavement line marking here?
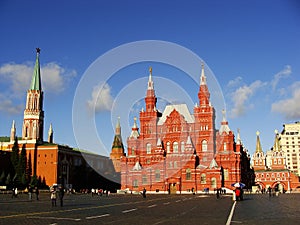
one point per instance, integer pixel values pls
(231, 214)
(95, 217)
(166, 203)
(52, 217)
(74, 209)
(129, 210)
(151, 206)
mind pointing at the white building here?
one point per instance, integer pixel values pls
(290, 145)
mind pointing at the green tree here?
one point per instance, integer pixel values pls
(21, 173)
(29, 168)
(8, 179)
(2, 178)
(14, 157)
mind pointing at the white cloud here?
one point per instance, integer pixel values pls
(101, 98)
(8, 106)
(235, 82)
(16, 79)
(241, 96)
(281, 74)
(289, 108)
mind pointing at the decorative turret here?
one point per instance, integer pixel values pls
(203, 94)
(134, 130)
(259, 158)
(150, 96)
(277, 158)
(33, 123)
(117, 150)
(258, 148)
(50, 134)
(224, 124)
(13, 132)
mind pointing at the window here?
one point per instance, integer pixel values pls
(157, 175)
(135, 183)
(168, 147)
(175, 164)
(225, 146)
(148, 148)
(132, 151)
(213, 182)
(188, 174)
(182, 146)
(144, 179)
(175, 147)
(204, 145)
(203, 178)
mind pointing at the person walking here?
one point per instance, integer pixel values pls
(144, 193)
(61, 195)
(37, 192)
(53, 196)
(30, 192)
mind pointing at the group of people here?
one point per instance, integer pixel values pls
(238, 194)
(54, 191)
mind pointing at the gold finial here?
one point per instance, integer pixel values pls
(257, 133)
(150, 70)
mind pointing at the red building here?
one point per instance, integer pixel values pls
(54, 163)
(271, 170)
(177, 151)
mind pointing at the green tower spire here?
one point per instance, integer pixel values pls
(36, 78)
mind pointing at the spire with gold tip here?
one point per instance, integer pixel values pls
(36, 78)
(150, 82)
(258, 144)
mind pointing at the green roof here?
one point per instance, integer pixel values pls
(36, 78)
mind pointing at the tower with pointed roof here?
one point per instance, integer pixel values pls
(33, 123)
(175, 149)
(204, 114)
(117, 150)
(277, 155)
(13, 132)
(259, 158)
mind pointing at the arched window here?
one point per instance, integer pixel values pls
(188, 174)
(175, 164)
(204, 145)
(213, 182)
(168, 147)
(148, 148)
(225, 146)
(182, 146)
(203, 178)
(175, 147)
(157, 175)
(132, 151)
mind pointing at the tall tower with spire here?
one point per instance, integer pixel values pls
(259, 158)
(33, 123)
(117, 150)
(205, 123)
(149, 116)
(13, 132)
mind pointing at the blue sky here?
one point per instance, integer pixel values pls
(252, 48)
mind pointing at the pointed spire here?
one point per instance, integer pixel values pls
(13, 131)
(276, 146)
(224, 124)
(150, 82)
(258, 144)
(50, 134)
(203, 77)
(239, 141)
(158, 142)
(36, 78)
(134, 130)
(118, 127)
